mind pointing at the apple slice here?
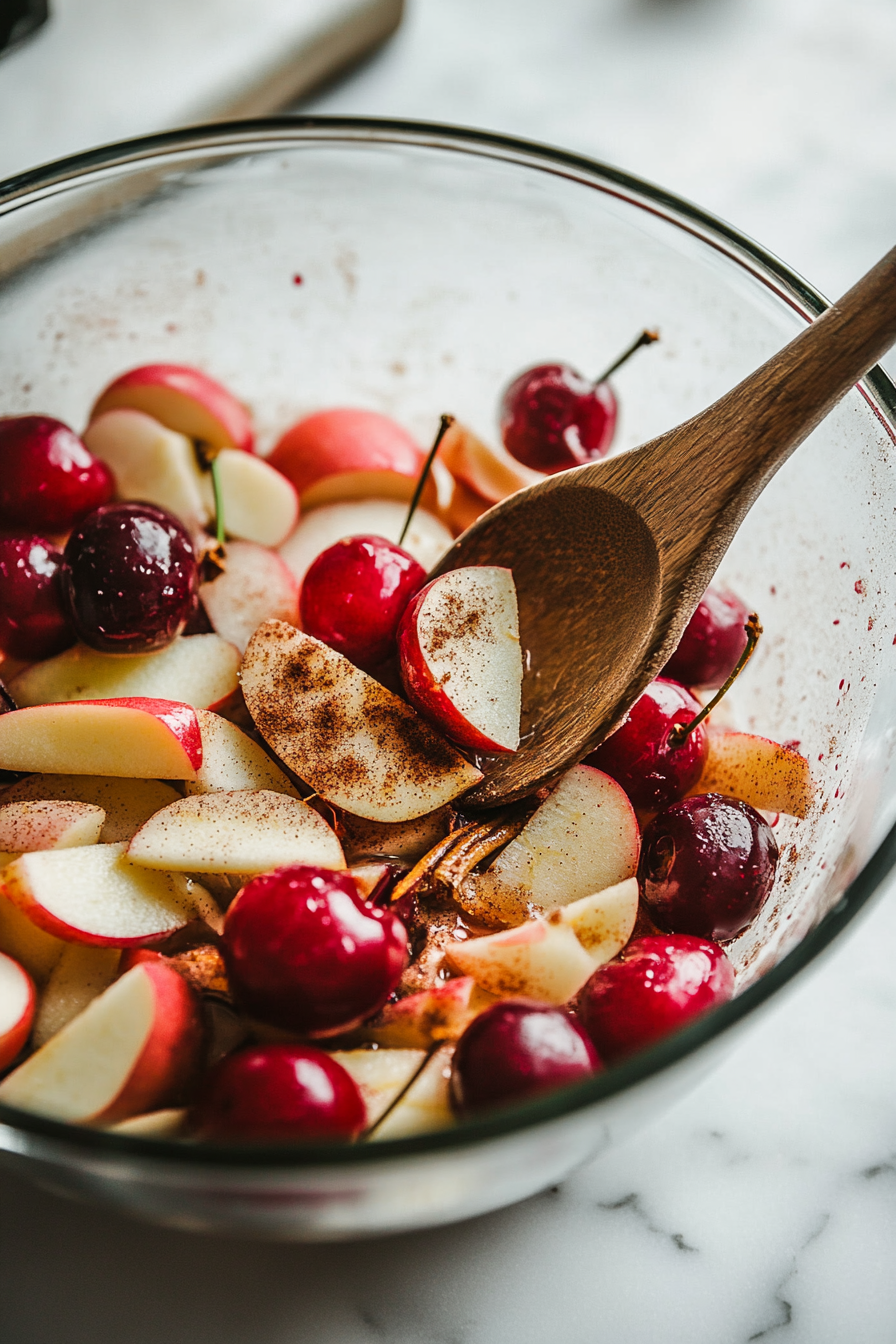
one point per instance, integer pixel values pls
(356, 743)
(80, 974)
(95, 895)
(758, 771)
(381, 1076)
(426, 1105)
(441, 1013)
(230, 761)
(604, 922)
(165, 1124)
(131, 1050)
(347, 441)
(461, 662)
(34, 949)
(541, 959)
(256, 586)
(130, 738)
(183, 399)
(466, 506)
(489, 472)
(258, 502)
(198, 670)
(127, 803)
(427, 539)
(238, 832)
(584, 838)
(18, 1000)
(48, 824)
(151, 463)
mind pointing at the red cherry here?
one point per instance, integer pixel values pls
(354, 595)
(640, 756)
(48, 479)
(303, 951)
(278, 1094)
(130, 578)
(552, 418)
(657, 986)
(34, 622)
(707, 866)
(518, 1049)
(713, 641)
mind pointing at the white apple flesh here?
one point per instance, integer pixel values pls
(461, 661)
(239, 832)
(130, 1051)
(583, 838)
(200, 670)
(427, 539)
(258, 503)
(127, 803)
(164, 1124)
(48, 824)
(231, 760)
(356, 744)
(256, 586)
(151, 463)
(18, 1000)
(79, 976)
(381, 1076)
(21, 939)
(421, 1020)
(541, 959)
(128, 738)
(426, 1105)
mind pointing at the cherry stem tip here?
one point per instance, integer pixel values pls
(646, 337)
(682, 731)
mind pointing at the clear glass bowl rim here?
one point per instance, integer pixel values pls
(877, 388)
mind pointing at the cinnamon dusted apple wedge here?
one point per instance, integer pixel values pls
(357, 744)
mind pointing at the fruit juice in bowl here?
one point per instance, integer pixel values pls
(251, 332)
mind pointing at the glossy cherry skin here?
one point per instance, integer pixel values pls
(707, 866)
(552, 418)
(713, 641)
(517, 1049)
(657, 986)
(354, 595)
(639, 755)
(48, 479)
(303, 950)
(130, 578)
(278, 1094)
(34, 621)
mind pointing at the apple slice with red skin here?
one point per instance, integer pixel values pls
(461, 661)
(18, 1001)
(131, 738)
(198, 670)
(94, 895)
(243, 831)
(420, 1020)
(127, 803)
(79, 976)
(356, 744)
(132, 1050)
(756, 770)
(583, 838)
(48, 824)
(256, 586)
(343, 441)
(230, 760)
(151, 463)
(183, 399)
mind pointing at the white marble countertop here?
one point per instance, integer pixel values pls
(763, 1206)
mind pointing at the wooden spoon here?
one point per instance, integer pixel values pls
(611, 559)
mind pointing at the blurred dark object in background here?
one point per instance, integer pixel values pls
(18, 20)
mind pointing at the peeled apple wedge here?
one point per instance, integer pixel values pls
(95, 895)
(198, 670)
(128, 738)
(356, 744)
(541, 959)
(21, 939)
(426, 1105)
(583, 838)
(127, 803)
(231, 760)
(48, 824)
(238, 832)
(79, 976)
(757, 771)
(130, 1051)
(259, 504)
(604, 922)
(381, 1075)
(150, 463)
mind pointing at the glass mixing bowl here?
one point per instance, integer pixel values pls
(414, 269)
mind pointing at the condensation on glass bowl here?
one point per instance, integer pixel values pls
(415, 270)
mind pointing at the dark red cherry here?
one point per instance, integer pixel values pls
(278, 1094)
(34, 622)
(713, 641)
(48, 479)
(707, 866)
(552, 418)
(657, 986)
(642, 755)
(517, 1049)
(130, 578)
(354, 595)
(305, 952)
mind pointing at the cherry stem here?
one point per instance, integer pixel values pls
(646, 338)
(444, 425)
(682, 731)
